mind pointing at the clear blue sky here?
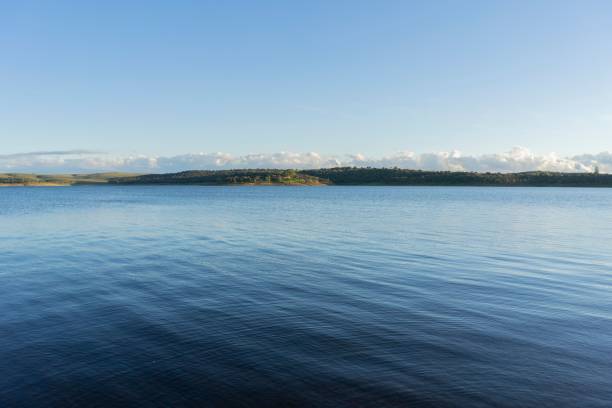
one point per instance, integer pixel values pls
(375, 77)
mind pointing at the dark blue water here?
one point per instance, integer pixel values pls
(324, 296)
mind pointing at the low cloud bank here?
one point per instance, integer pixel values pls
(516, 160)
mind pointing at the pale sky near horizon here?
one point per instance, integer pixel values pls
(337, 77)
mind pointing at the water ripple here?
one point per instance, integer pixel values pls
(213, 296)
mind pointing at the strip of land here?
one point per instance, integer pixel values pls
(53, 180)
(352, 176)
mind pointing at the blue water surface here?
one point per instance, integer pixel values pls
(305, 296)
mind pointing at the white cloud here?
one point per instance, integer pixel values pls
(516, 160)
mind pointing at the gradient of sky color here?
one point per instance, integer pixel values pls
(371, 77)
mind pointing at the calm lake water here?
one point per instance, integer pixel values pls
(297, 296)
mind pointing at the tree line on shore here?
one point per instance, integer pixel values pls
(329, 176)
(371, 176)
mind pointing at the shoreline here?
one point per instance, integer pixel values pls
(337, 176)
(4, 185)
(35, 185)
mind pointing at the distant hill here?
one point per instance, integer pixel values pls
(404, 177)
(225, 177)
(371, 176)
(333, 176)
(22, 179)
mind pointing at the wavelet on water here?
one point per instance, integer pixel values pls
(391, 296)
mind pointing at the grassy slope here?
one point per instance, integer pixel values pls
(22, 179)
